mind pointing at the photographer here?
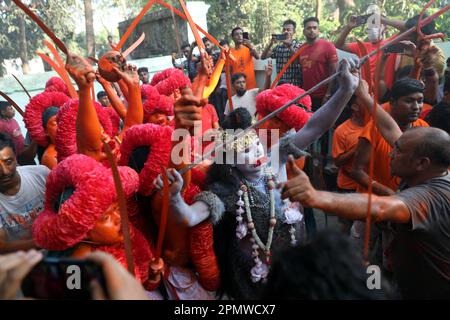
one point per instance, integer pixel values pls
(243, 52)
(283, 52)
(375, 36)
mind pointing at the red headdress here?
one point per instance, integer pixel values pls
(34, 110)
(56, 84)
(94, 192)
(169, 80)
(115, 120)
(154, 102)
(66, 136)
(272, 99)
(158, 139)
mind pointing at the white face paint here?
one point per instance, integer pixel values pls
(249, 161)
(373, 34)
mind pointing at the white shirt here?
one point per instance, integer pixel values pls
(247, 101)
(18, 212)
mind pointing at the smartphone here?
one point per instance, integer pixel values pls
(280, 37)
(62, 279)
(360, 20)
(245, 35)
(396, 48)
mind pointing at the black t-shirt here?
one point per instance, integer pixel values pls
(421, 248)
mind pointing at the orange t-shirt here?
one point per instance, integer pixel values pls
(243, 63)
(381, 172)
(344, 139)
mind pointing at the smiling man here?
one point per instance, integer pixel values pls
(22, 191)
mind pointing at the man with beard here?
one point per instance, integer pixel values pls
(22, 192)
(246, 98)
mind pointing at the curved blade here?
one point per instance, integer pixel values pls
(292, 59)
(23, 87)
(133, 25)
(61, 72)
(122, 208)
(13, 103)
(183, 16)
(164, 213)
(134, 45)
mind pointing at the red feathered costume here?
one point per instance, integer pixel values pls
(170, 80)
(272, 99)
(55, 84)
(94, 192)
(66, 135)
(153, 102)
(158, 139)
(33, 114)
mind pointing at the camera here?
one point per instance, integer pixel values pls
(62, 278)
(280, 37)
(245, 36)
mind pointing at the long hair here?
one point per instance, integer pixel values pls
(239, 118)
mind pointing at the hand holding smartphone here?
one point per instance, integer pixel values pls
(63, 278)
(245, 36)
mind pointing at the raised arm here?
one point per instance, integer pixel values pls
(267, 53)
(327, 115)
(397, 24)
(387, 126)
(340, 43)
(89, 132)
(135, 113)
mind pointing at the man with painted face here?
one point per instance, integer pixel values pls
(283, 52)
(375, 37)
(250, 220)
(22, 190)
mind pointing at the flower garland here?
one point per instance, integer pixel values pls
(261, 269)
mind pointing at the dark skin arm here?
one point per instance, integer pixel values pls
(360, 163)
(343, 158)
(16, 245)
(348, 206)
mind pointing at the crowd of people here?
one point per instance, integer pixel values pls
(239, 229)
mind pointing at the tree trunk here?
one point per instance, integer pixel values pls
(23, 45)
(90, 37)
(319, 7)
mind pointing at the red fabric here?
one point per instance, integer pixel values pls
(169, 80)
(158, 138)
(272, 99)
(34, 110)
(204, 257)
(315, 60)
(354, 48)
(94, 193)
(115, 120)
(66, 134)
(56, 84)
